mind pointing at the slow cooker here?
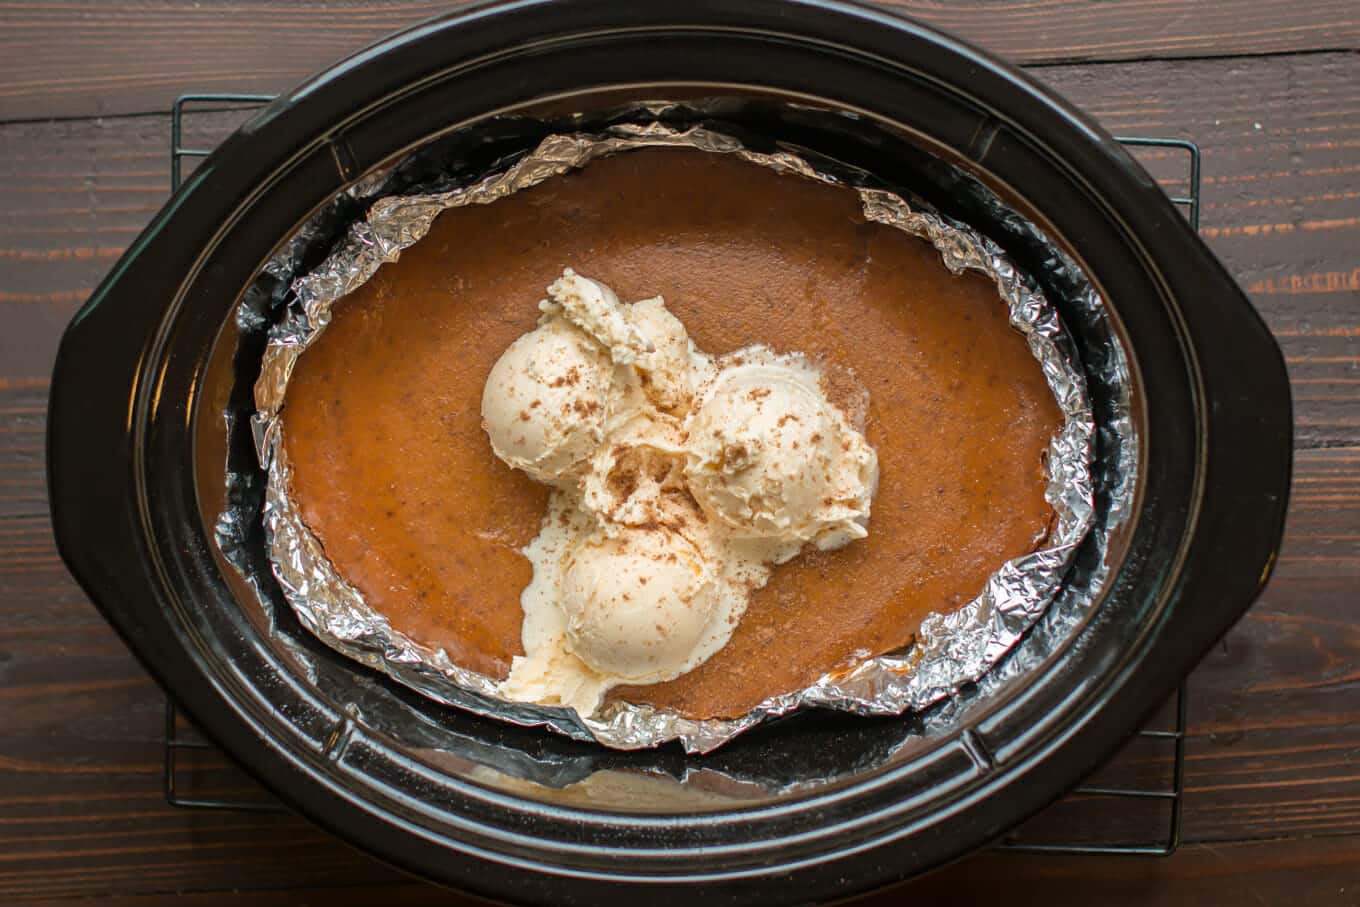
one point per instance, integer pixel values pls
(810, 807)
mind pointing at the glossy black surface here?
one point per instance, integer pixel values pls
(136, 361)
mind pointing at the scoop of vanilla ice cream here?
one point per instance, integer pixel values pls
(637, 604)
(770, 457)
(671, 370)
(595, 309)
(551, 675)
(544, 403)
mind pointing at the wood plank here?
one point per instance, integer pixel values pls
(1279, 140)
(81, 804)
(1319, 871)
(96, 57)
(1275, 744)
(76, 193)
(23, 477)
(1278, 753)
(1274, 741)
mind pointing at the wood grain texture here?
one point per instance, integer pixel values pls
(1275, 736)
(1281, 156)
(23, 487)
(1319, 871)
(75, 194)
(98, 57)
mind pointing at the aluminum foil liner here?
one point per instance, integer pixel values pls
(950, 650)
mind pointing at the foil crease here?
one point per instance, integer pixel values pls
(950, 649)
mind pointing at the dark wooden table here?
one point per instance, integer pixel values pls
(1270, 90)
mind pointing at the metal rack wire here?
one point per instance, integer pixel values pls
(180, 741)
(1173, 792)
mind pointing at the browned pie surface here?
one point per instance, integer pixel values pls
(397, 479)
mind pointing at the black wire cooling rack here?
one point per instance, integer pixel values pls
(1157, 831)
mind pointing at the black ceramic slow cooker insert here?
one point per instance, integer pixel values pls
(810, 807)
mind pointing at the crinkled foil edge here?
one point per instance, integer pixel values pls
(950, 649)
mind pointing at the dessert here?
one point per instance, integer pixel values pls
(679, 481)
(393, 472)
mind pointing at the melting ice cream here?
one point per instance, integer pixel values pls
(679, 481)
